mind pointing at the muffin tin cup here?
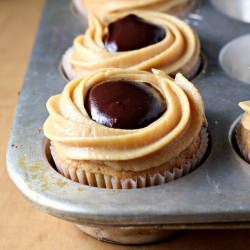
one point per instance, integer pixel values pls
(215, 195)
(236, 9)
(235, 60)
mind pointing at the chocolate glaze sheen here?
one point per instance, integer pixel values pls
(124, 104)
(132, 32)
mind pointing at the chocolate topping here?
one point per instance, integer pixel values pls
(132, 32)
(124, 104)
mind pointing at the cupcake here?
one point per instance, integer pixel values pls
(139, 41)
(243, 131)
(107, 7)
(124, 129)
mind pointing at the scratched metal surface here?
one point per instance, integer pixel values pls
(218, 191)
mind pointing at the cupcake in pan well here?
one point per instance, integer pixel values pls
(142, 40)
(106, 7)
(124, 129)
(243, 131)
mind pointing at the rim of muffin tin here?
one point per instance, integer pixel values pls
(63, 198)
(49, 194)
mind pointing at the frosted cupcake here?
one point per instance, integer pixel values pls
(243, 131)
(139, 41)
(123, 129)
(107, 7)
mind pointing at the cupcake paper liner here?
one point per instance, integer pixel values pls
(80, 8)
(242, 147)
(66, 67)
(141, 181)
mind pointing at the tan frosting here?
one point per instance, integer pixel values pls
(179, 51)
(103, 7)
(245, 120)
(76, 137)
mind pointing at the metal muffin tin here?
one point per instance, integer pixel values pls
(215, 195)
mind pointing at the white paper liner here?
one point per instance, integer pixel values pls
(146, 180)
(242, 147)
(80, 8)
(69, 73)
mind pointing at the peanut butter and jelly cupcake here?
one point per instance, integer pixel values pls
(107, 7)
(139, 41)
(121, 129)
(243, 131)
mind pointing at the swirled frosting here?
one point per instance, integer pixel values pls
(104, 7)
(245, 120)
(178, 51)
(76, 136)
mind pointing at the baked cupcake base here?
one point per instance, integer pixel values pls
(147, 179)
(71, 74)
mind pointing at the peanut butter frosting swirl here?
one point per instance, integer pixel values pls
(103, 7)
(76, 136)
(179, 51)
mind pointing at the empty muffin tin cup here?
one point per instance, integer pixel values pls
(235, 60)
(237, 9)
